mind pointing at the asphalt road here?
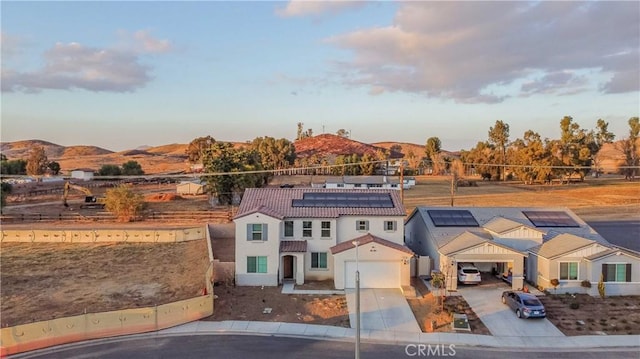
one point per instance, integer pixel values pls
(266, 347)
(623, 233)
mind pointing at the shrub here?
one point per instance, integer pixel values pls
(555, 283)
(585, 284)
(124, 203)
(601, 288)
(574, 305)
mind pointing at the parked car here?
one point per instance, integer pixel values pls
(526, 305)
(468, 274)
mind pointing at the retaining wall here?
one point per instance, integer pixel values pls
(104, 235)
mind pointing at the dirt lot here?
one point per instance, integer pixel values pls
(50, 280)
(593, 315)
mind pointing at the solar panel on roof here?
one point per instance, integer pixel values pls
(452, 218)
(550, 219)
(344, 200)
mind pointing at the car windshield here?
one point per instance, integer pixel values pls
(470, 271)
(531, 302)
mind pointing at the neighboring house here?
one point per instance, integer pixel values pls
(518, 244)
(190, 188)
(84, 174)
(302, 234)
(365, 182)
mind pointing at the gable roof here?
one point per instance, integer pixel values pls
(277, 203)
(502, 225)
(463, 241)
(612, 251)
(369, 238)
(561, 244)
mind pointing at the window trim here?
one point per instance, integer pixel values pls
(394, 224)
(259, 262)
(568, 279)
(318, 261)
(310, 229)
(366, 225)
(616, 264)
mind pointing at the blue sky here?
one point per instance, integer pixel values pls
(124, 74)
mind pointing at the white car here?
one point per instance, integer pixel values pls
(468, 274)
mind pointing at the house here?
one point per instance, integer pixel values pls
(84, 174)
(302, 234)
(534, 245)
(190, 188)
(365, 182)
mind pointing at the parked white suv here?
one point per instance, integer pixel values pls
(468, 274)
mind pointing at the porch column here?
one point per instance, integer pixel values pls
(299, 268)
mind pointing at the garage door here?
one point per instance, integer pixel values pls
(373, 274)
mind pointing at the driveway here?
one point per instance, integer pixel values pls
(499, 318)
(382, 309)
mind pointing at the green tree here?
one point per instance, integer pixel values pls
(630, 149)
(342, 133)
(601, 136)
(367, 167)
(432, 151)
(37, 161)
(197, 147)
(124, 203)
(275, 154)
(5, 190)
(532, 156)
(499, 137)
(54, 167)
(132, 168)
(109, 170)
(13, 167)
(481, 158)
(577, 147)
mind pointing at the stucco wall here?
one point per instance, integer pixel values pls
(347, 228)
(269, 248)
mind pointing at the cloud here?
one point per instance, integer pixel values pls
(317, 7)
(68, 66)
(142, 42)
(460, 50)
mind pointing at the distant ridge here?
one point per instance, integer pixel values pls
(329, 144)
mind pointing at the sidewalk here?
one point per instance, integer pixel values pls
(325, 332)
(289, 288)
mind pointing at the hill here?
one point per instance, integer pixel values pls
(20, 149)
(333, 145)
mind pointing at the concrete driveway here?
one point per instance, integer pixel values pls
(382, 309)
(485, 300)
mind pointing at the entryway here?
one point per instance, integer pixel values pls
(288, 265)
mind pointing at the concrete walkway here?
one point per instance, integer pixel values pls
(382, 309)
(548, 343)
(289, 288)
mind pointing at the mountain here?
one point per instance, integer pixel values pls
(329, 144)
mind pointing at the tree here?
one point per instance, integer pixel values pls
(342, 133)
(499, 136)
(395, 148)
(109, 170)
(37, 161)
(532, 156)
(432, 150)
(457, 171)
(481, 157)
(367, 167)
(274, 154)
(630, 148)
(54, 167)
(5, 190)
(197, 146)
(124, 203)
(132, 168)
(13, 167)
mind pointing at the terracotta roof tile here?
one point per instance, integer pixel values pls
(368, 238)
(293, 246)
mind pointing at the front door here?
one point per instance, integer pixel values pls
(287, 264)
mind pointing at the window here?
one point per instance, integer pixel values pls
(362, 226)
(390, 226)
(618, 272)
(326, 229)
(307, 229)
(340, 185)
(319, 260)
(568, 270)
(288, 228)
(357, 185)
(257, 232)
(256, 264)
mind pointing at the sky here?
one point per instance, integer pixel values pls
(120, 74)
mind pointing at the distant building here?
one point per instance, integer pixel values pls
(84, 174)
(190, 188)
(366, 182)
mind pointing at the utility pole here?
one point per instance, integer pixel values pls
(357, 354)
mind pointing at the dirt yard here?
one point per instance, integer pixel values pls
(252, 303)
(593, 315)
(49, 280)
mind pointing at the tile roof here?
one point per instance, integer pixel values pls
(368, 238)
(362, 179)
(561, 244)
(276, 202)
(293, 246)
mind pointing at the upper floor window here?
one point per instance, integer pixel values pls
(617, 272)
(307, 228)
(288, 228)
(326, 229)
(257, 232)
(568, 270)
(390, 226)
(362, 225)
(340, 185)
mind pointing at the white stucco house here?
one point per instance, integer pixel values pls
(84, 174)
(302, 234)
(534, 245)
(367, 182)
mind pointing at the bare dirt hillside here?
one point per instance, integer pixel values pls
(406, 148)
(328, 144)
(20, 149)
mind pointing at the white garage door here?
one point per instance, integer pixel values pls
(373, 274)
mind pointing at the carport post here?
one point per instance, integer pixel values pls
(356, 243)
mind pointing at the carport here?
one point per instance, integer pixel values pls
(485, 254)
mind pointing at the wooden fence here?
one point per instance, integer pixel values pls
(178, 216)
